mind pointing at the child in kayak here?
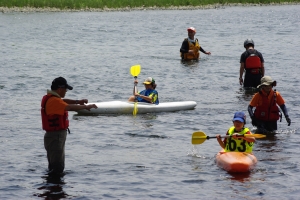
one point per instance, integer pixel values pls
(237, 142)
(149, 95)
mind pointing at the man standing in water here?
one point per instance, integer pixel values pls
(266, 111)
(252, 62)
(190, 46)
(54, 112)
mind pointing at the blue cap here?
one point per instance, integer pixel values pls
(239, 116)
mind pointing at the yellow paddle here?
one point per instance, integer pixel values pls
(135, 71)
(200, 137)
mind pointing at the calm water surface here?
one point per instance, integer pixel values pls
(148, 156)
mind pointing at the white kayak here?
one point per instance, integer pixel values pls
(124, 107)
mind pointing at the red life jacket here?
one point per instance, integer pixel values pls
(253, 63)
(53, 122)
(267, 111)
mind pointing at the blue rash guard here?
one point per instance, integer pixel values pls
(149, 93)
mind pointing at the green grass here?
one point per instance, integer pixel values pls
(82, 4)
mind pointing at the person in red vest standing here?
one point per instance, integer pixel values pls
(252, 62)
(54, 112)
(266, 103)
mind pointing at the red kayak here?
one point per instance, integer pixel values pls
(236, 162)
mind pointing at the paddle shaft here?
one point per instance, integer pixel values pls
(225, 136)
(134, 88)
(208, 137)
(200, 137)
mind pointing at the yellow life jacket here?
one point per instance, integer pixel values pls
(239, 144)
(195, 47)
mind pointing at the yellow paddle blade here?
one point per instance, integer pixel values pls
(135, 70)
(198, 137)
(135, 109)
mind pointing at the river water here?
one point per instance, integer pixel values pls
(149, 156)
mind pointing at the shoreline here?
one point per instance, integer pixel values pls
(128, 9)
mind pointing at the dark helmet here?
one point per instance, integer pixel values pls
(248, 41)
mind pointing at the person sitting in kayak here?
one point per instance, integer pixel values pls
(149, 95)
(237, 142)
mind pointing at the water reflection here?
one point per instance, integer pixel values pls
(269, 140)
(190, 63)
(145, 121)
(246, 94)
(265, 132)
(145, 135)
(53, 188)
(250, 90)
(241, 177)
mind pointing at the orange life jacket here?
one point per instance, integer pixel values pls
(195, 47)
(53, 122)
(268, 111)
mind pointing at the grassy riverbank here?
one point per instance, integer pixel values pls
(116, 4)
(125, 5)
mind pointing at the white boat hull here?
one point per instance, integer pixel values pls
(122, 107)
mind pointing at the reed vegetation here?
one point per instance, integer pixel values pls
(114, 4)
